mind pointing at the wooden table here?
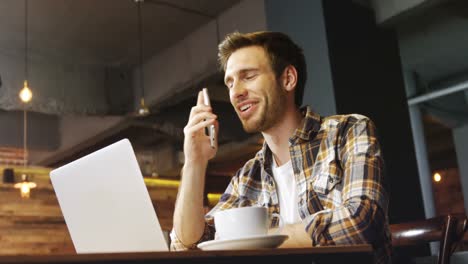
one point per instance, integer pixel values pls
(317, 255)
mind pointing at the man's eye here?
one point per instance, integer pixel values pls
(250, 77)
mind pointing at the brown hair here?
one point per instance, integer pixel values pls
(281, 50)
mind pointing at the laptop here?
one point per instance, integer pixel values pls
(105, 203)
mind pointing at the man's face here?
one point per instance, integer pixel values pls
(254, 91)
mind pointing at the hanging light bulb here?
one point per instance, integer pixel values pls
(25, 186)
(143, 110)
(25, 93)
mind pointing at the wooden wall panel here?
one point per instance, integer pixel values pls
(448, 194)
(36, 225)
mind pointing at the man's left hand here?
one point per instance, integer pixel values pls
(298, 238)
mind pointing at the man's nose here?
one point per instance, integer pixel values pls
(237, 91)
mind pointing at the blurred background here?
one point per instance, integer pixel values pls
(103, 70)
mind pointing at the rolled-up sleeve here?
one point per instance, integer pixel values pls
(228, 199)
(177, 245)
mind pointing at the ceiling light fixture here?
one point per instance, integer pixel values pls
(143, 110)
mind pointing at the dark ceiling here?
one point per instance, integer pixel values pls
(103, 32)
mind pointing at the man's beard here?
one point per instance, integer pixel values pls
(270, 113)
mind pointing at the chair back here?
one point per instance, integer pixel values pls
(462, 226)
(442, 229)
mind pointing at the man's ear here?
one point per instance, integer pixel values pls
(289, 78)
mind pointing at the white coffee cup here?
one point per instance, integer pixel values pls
(243, 222)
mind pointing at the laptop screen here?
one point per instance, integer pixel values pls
(105, 203)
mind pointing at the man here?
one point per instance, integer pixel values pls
(322, 174)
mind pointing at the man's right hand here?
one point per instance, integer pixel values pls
(197, 147)
(189, 221)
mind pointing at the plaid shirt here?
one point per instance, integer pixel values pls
(338, 167)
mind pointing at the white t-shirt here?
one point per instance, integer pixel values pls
(287, 192)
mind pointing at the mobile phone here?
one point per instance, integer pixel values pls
(210, 131)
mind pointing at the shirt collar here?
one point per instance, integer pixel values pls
(309, 126)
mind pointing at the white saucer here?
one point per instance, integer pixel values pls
(253, 242)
